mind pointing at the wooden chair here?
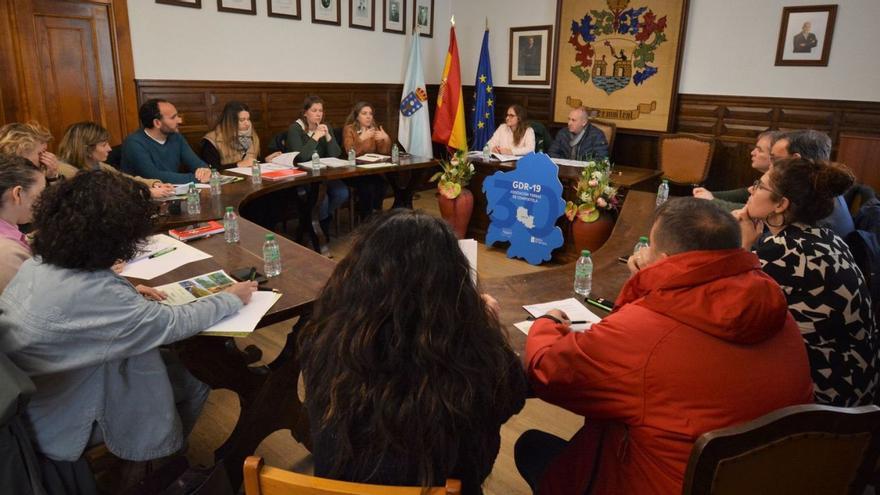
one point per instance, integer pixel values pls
(685, 158)
(609, 129)
(266, 480)
(798, 449)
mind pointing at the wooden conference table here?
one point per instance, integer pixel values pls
(268, 394)
(609, 274)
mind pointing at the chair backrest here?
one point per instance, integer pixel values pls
(609, 129)
(685, 158)
(266, 480)
(543, 139)
(114, 158)
(794, 450)
(278, 143)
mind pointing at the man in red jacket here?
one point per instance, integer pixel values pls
(701, 339)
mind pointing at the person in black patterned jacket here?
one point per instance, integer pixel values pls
(826, 291)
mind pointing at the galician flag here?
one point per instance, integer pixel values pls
(484, 108)
(449, 125)
(414, 127)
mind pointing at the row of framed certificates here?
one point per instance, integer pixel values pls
(361, 13)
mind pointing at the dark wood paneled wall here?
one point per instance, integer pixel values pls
(734, 121)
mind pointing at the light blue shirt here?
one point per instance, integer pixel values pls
(89, 341)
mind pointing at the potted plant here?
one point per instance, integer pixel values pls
(592, 212)
(455, 200)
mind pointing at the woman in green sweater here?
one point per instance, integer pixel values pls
(309, 135)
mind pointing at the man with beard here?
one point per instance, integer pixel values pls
(158, 151)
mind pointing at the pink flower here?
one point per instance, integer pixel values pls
(593, 183)
(601, 203)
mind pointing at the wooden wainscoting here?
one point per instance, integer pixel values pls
(734, 121)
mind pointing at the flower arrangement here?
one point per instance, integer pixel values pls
(456, 174)
(594, 193)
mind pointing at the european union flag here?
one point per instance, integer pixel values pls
(484, 106)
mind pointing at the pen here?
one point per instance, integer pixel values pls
(253, 274)
(575, 322)
(596, 303)
(162, 251)
(268, 289)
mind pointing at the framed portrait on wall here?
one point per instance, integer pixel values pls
(529, 55)
(361, 14)
(805, 35)
(423, 17)
(286, 9)
(394, 16)
(237, 6)
(326, 12)
(196, 4)
(620, 60)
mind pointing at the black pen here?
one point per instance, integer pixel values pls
(575, 322)
(268, 289)
(162, 251)
(253, 274)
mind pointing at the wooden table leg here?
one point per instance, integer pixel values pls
(268, 394)
(309, 199)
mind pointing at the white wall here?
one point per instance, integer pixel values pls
(171, 42)
(730, 46)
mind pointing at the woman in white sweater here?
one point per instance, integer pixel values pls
(514, 136)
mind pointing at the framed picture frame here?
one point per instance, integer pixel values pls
(423, 17)
(394, 16)
(237, 6)
(196, 4)
(805, 35)
(285, 9)
(326, 12)
(362, 14)
(629, 78)
(529, 56)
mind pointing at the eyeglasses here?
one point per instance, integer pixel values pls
(760, 185)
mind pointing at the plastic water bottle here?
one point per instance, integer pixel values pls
(487, 153)
(351, 156)
(230, 226)
(193, 202)
(663, 192)
(395, 154)
(256, 173)
(215, 182)
(583, 274)
(271, 256)
(316, 163)
(643, 243)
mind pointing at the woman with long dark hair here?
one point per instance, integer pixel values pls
(826, 292)
(408, 374)
(515, 136)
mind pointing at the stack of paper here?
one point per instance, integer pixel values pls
(237, 325)
(571, 307)
(264, 167)
(171, 254)
(181, 189)
(569, 163)
(373, 157)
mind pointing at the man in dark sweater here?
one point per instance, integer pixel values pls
(580, 140)
(157, 151)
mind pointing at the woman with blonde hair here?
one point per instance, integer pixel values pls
(233, 141)
(86, 145)
(31, 141)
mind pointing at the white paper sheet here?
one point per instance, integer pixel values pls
(469, 248)
(334, 162)
(264, 167)
(570, 163)
(183, 188)
(374, 165)
(285, 159)
(373, 157)
(245, 321)
(571, 307)
(147, 269)
(506, 158)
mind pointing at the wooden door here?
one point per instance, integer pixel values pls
(74, 64)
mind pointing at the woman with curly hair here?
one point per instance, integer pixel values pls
(408, 374)
(88, 339)
(826, 291)
(86, 145)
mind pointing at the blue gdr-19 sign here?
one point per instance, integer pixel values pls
(524, 205)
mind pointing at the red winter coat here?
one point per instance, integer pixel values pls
(700, 341)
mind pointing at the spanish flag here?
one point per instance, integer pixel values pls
(449, 124)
